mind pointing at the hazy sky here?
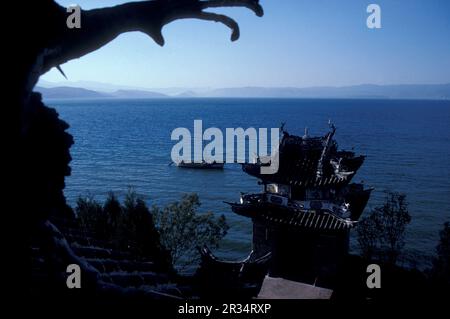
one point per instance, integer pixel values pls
(297, 43)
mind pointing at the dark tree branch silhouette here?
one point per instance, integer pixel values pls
(60, 44)
(381, 233)
(441, 264)
(100, 26)
(42, 41)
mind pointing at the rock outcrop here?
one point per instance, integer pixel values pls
(44, 143)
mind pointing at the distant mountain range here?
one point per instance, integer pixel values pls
(66, 92)
(136, 94)
(369, 91)
(359, 91)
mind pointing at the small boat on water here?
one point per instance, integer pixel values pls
(202, 165)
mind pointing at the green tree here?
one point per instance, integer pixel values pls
(171, 235)
(129, 226)
(115, 220)
(91, 216)
(183, 229)
(368, 235)
(441, 264)
(382, 233)
(140, 225)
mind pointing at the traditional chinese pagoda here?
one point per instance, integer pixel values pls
(305, 211)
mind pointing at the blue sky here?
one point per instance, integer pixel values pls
(297, 43)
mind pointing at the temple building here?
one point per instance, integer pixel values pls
(305, 210)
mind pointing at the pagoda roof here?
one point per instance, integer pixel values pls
(309, 162)
(314, 220)
(303, 173)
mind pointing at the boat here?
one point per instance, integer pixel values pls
(202, 165)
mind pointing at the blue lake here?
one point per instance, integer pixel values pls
(122, 143)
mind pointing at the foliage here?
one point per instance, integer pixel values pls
(129, 226)
(115, 218)
(140, 226)
(179, 229)
(183, 230)
(91, 215)
(381, 234)
(441, 264)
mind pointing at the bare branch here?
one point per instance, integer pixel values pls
(252, 5)
(209, 16)
(235, 33)
(100, 26)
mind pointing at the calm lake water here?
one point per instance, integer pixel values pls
(122, 143)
